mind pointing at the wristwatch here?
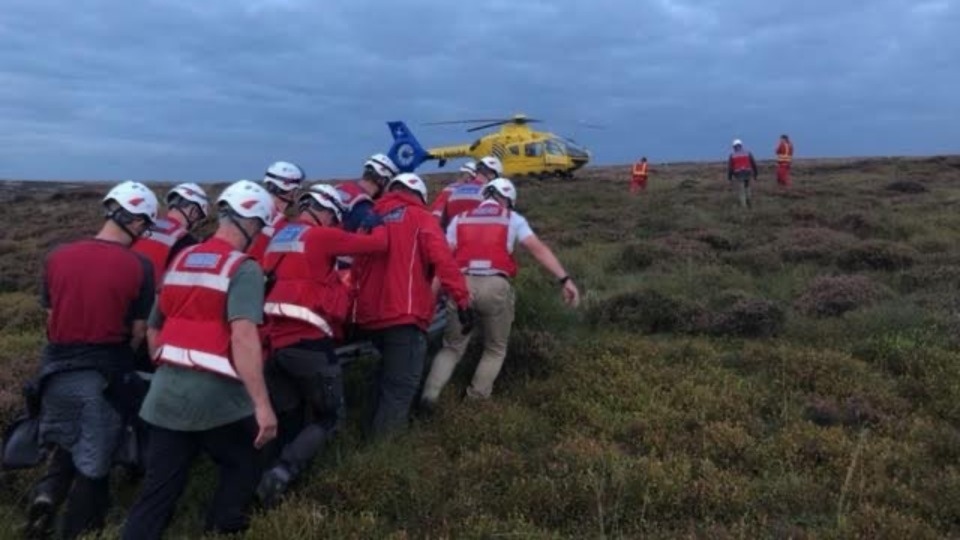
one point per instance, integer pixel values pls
(562, 281)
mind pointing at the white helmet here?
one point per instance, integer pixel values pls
(737, 142)
(383, 165)
(493, 163)
(193, 193)
(326, 196)
(469, 167)
(284, 175)
(504, 187)
(411, 181)
(135, 198)
(248, 200)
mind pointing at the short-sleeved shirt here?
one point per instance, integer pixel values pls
(518, 230)
(95, 289)
(188, 400)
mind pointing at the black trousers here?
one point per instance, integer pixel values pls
(306, 389)
(403, 351)
(87, 499)
(169, 457)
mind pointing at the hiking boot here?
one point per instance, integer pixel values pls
(40, 517)
(273, 485)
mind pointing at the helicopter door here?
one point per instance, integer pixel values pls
(554, 154)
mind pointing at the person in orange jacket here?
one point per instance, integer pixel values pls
(784, 160)
(395, 302)
(305, 309)
(638, 177)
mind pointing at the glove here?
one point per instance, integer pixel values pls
(466, 317)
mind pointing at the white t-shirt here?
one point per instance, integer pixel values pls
(518, 231)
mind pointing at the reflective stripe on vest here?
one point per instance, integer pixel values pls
(289, 239)
(218, 282)
(197, 360)
(300, 313)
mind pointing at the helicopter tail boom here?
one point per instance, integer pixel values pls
(406, 151)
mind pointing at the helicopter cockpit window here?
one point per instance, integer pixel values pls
(515, 149)
(534, 149)
(554, 147)
(575, 150)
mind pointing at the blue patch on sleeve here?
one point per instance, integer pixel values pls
(202, 260)
(289, 233)
(395, 215)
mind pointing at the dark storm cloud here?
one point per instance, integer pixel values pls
(218, 89)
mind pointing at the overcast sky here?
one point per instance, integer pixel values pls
(218, 89)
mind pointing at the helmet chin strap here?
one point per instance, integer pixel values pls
(248, 239)
(114, 217)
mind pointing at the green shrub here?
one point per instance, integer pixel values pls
(647, 311)
(830, 296)
(877, 255)
(749, 317)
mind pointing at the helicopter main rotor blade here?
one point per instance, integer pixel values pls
(463, 121)
(485, 126)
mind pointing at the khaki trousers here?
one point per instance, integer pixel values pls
(493, 302)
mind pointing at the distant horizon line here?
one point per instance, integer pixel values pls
(452, 171)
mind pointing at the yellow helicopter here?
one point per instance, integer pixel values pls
(523, 151)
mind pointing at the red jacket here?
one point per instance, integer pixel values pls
(193, 300)
(260, 242)
(394, 288)
(351, 193)
(308, 300)
(157, 244)
(457, 198)
(482, 235)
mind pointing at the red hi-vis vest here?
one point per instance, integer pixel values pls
(260, 242)
(298, 293)
(463, 198)
(193, 299)
(351, 193)
(482, 235)
(741, 161)
(784, 152)
(640, 168)
(157, 244)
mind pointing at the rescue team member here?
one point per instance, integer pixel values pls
(208, 392)
(395, 303)
(467, 195)
(784, 160)
(305, 310)
(483, 242)
(742, 167)
(638, 176)
(97, 293)
(467, 172)
(358, 196)
(187, 205)
(282, 180)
